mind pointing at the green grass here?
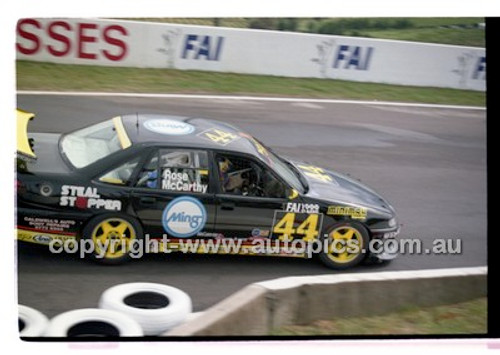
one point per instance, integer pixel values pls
(423, 29)
(445, 21)
(59, 77)
(461, 37)
(461, 318)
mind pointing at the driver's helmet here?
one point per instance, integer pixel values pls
(224, 165)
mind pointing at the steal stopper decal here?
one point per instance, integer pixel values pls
(184, 217)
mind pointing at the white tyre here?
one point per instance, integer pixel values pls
(32, 323)
(156, 307)
(93, 322)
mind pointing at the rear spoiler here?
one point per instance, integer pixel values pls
(23, 142)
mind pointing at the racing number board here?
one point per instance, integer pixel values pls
(288, 226)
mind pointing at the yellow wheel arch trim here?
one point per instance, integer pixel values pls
(348, 235)
(115, 235)
(121, 132)
(23, 145)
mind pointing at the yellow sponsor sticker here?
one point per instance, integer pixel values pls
(40, 237)
(353, 212)
(316, 173)
(219, 136)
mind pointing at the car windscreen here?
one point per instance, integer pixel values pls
(87, 145)
(286, 172)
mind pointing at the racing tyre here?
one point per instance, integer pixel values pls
(346, 245)
(112, 237)
(32, 323)
(93, 322)
(157, 308)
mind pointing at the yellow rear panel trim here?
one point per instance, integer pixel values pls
(23, 145)
(40, 237)
(122, 134)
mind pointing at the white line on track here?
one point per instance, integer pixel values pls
(248, 98)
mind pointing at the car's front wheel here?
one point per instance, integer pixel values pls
(346, 245)
(112, 237)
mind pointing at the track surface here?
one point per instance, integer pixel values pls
(430, 163)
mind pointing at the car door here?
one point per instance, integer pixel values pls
(243, 210)
(172, 195)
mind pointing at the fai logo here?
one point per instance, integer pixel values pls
(333, 57)
(471, 66)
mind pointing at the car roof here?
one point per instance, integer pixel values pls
(188, 132)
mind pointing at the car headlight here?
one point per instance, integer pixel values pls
(392, 222)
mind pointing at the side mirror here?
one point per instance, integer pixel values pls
(293, 194)
(111, 180)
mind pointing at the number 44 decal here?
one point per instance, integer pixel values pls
(290, 225)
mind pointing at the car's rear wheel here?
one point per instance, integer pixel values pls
(112, 237)
(346, 245)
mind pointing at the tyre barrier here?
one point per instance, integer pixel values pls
(32, 323)
(156, 307)
(125, 310)
(92, 322)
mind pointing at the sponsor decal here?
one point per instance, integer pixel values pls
(471, 66)
(302, 207)
(46, 190)
(262, 233)
(342, 57)
(202, 47)
(353, 212)
(210, 235)
(42, 239)
(316, 173)
(179, 181)
(86, 197)
(168, 127)
(260, 148)
(391, 235)
(219, 136)
(82, 40)
(49, 224)
(184, 217)
(36, 237)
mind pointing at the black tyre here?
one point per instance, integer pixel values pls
(346, 245)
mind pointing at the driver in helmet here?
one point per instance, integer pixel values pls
(231, 183)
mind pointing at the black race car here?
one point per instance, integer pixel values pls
(190, 185)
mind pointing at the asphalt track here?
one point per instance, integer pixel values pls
(429, 162)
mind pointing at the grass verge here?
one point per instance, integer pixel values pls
(461, 318)
(463, 31)
(61, 77)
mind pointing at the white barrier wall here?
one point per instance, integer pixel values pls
(155, 45)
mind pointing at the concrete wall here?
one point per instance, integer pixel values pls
(261, 307)
(155, 45)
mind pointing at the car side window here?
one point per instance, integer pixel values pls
(120, 175)
(176, 170)
(241, 176)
